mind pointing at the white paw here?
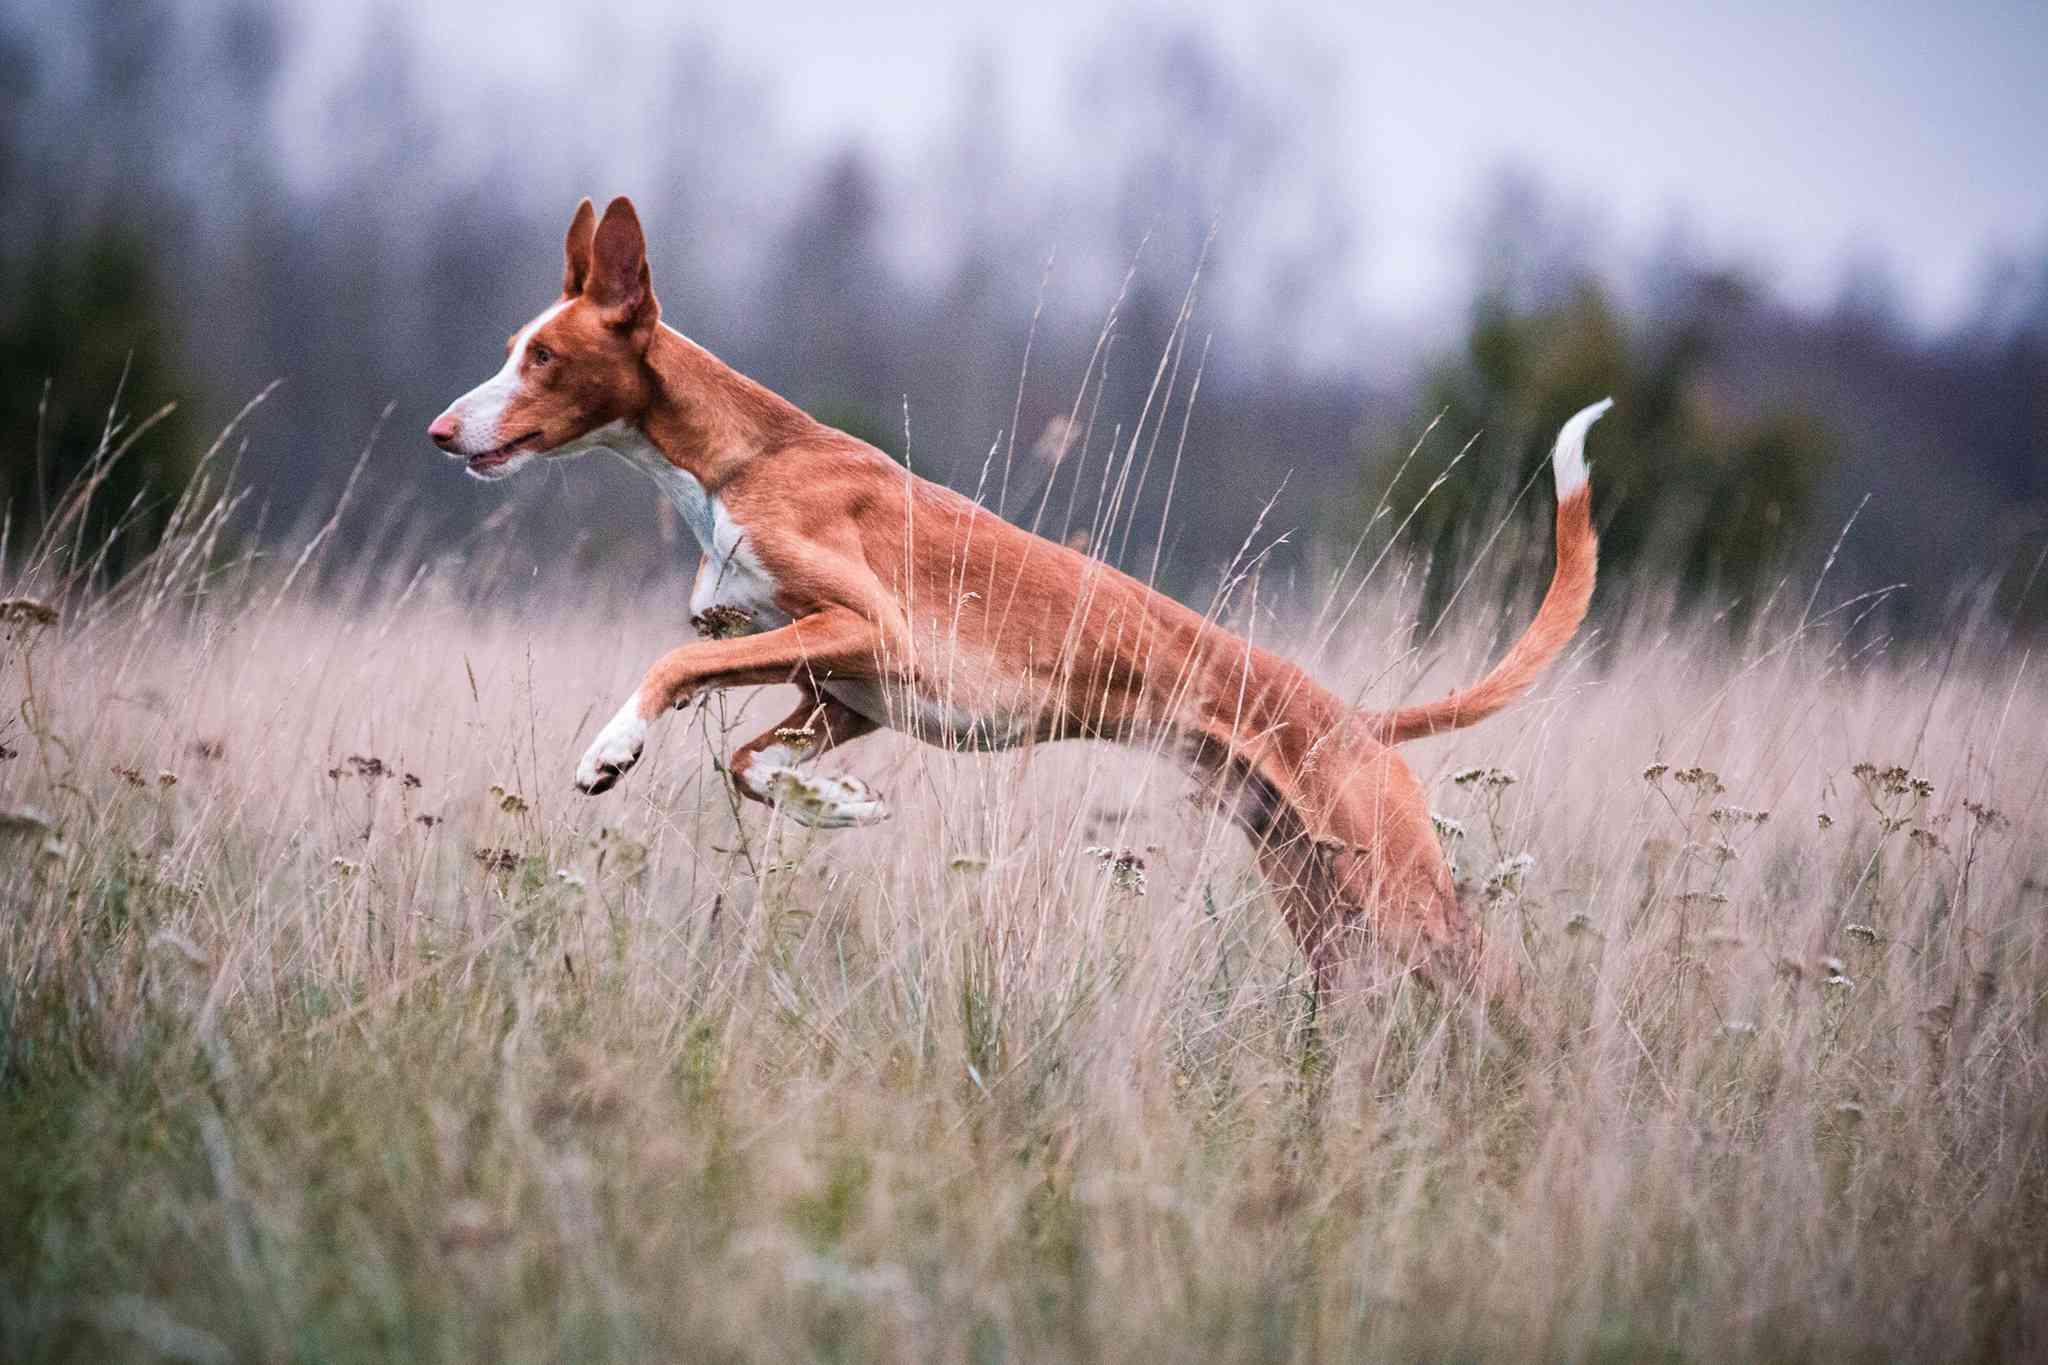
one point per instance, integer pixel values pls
(818, 800)
(616, 750)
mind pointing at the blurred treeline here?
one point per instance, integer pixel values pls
(199, 198)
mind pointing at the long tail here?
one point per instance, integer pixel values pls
(1564, 606)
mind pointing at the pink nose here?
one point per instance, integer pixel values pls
(444, 429)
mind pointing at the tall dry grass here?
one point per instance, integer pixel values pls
(335, 1025)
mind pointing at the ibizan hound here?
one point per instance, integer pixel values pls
(892, 601)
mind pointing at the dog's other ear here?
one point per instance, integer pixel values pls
(576, 250)
(619, 282)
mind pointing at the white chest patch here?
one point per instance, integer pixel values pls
(734, 591)
(732, 584)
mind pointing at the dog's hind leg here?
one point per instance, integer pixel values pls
(765, 768)
(1346, 843)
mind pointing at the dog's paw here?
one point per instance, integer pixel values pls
(614, 753)
(823, 801)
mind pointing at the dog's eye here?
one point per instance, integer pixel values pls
(539, 355)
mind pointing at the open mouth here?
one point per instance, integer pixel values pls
(496, 456)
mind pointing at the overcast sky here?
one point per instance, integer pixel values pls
(1790, 138)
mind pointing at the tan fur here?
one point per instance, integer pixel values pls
(893, 580)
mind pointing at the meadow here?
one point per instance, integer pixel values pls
(335, 1025)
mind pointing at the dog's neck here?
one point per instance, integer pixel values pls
(706, 418)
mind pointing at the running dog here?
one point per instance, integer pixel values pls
(892, 602)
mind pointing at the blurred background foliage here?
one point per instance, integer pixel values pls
(1695, 481)
(185, 215)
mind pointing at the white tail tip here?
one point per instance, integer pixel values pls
(1569, 458)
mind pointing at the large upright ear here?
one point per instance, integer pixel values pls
(619, 282)
(576, 250)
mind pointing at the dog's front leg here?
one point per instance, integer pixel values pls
(833, 643)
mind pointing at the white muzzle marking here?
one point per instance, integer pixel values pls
(480, 413)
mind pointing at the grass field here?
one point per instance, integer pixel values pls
(334, 1025)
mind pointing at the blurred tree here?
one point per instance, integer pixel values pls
(1693, 482)
(833, 291)
(84, 355)
(87, 348)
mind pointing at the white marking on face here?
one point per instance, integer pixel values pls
(480, 413)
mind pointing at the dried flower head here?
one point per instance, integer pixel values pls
(723, 622)
(1862, 933)
(799, 738)
(27, 611)
(1447, 829)
(1126, 868)
(1987, 817)
(1893, 780)
(1507, 876)
(1824, 821)
(498, 859)
(1705, 781)
(1655, 772)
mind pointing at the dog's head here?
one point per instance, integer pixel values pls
(575, 370)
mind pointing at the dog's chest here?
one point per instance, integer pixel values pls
(734, 594)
